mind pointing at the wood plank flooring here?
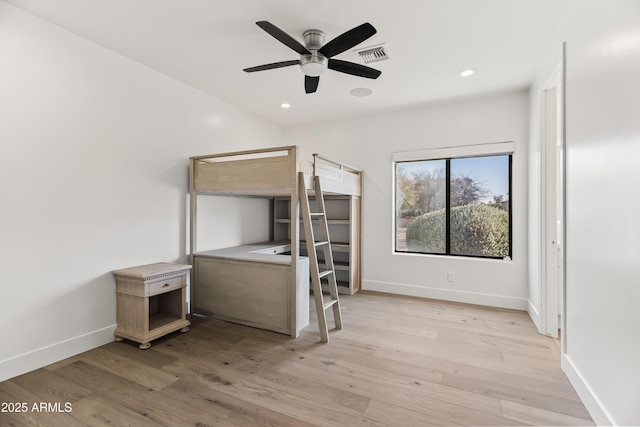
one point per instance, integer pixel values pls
(399, 361)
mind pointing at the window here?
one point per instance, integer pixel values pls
(456, 206)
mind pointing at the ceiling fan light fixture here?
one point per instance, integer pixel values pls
(313, 65)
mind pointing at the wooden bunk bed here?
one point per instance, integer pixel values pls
(266, 284)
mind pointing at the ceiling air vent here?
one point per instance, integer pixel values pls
(373, 54)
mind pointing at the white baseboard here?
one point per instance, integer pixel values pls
(44, 356)
(534, 315)
(446, 294)
(590, 400)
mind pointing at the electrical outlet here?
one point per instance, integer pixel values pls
(451, 276)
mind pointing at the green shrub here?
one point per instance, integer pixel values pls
(476, 230)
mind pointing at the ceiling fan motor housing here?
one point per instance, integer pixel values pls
(313, 39)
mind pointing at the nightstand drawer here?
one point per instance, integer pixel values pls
(166, 285)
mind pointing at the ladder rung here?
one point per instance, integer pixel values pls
(321, 243)
(325, 273)
(316, 214)
(329, 303)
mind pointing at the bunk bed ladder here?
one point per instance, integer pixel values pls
(315, 244)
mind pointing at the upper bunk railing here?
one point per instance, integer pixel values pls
(260, 172)
(337, 177)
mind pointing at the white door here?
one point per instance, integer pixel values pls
(552, 208)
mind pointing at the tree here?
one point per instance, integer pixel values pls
(465, 190)
(429, 188)
(423, 191)
(498, 202)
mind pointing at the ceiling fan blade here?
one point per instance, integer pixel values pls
(347, 40)
(353, 68)
(272, 66)
(283, 37)
(311, 84)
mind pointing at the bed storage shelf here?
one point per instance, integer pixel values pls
(266, 285)
(343, 219)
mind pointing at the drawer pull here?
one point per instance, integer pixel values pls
(166, 285)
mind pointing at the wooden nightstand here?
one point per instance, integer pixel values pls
(151, 302)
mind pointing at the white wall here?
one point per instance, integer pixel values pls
(94, 177)
(603, 201)
(368, 143)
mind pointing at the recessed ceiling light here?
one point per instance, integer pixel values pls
(285, 105)
(466, 73)
(360, 91)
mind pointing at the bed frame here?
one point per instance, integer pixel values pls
(254, 284)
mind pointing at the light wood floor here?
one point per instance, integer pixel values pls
(399, 362)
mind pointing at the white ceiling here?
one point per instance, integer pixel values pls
(207, 43)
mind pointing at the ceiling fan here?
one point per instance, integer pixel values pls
(316, 57)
